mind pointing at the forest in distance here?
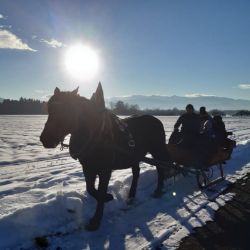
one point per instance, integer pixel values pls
(25, 106)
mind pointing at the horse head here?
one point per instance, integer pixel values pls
(66, 111)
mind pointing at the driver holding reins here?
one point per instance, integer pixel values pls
(190, 127)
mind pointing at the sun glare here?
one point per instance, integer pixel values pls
(81, 62)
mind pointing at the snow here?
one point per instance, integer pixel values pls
(43, 194)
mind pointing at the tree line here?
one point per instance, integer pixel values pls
(121, 108)
(31, 107)
(22, 106)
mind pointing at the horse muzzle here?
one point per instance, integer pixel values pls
(49, 141)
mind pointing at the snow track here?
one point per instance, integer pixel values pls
(42, 193)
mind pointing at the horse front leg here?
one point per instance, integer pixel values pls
(102, 197)
(90, 178)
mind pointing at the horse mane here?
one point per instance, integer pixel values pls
(66, 95)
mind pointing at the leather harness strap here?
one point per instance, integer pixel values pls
(106, 127)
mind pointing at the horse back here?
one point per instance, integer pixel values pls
(146, 129)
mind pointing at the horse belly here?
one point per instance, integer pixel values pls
(122, 164)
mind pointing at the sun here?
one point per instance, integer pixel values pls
(81, 62)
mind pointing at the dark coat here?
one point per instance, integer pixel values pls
(190, 123)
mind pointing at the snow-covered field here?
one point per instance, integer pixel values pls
(42, 193)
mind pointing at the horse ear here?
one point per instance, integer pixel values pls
(98, 97)
(74, 92)
(57, 91)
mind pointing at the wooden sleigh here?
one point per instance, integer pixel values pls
(183, 160)
(199, 163)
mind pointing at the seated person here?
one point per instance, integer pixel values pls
(206, 124)
(219, 130)
(221, 135)
(190, 126)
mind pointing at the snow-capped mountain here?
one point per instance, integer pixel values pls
(169, 102)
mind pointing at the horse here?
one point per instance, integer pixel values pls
(102, 142)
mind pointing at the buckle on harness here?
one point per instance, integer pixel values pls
(131, 143)
(63, 145)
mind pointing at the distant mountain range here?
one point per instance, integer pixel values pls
(180, 102)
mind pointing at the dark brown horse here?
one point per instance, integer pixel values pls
(102, 142)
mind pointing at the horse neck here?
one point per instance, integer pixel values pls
(86, 113)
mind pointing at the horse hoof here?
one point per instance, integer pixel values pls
(109, 197)
(130, 201)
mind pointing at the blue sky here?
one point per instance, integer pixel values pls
(168, 47)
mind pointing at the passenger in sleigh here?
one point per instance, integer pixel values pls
(206, 139)
(206, 123)
(213, 131)
(199, 130)
(189, 147)
(190, 129)
(202, 140)
(220, 134)
(207, 145)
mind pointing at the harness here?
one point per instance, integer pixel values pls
(106, 128)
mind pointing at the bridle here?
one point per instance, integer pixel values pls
(56, 103)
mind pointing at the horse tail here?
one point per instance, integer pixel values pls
(158, 142)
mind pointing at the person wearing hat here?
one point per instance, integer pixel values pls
(204, 114)
(190, 126)
(219, 130)
(206, 123)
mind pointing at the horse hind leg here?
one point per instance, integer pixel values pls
(160, 183)
(136, 172)
(161, 155)
(90, 183)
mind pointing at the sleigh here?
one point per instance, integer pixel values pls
(196, 161)
(199, 162)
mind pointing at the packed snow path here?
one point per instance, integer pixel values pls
(42, 193)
